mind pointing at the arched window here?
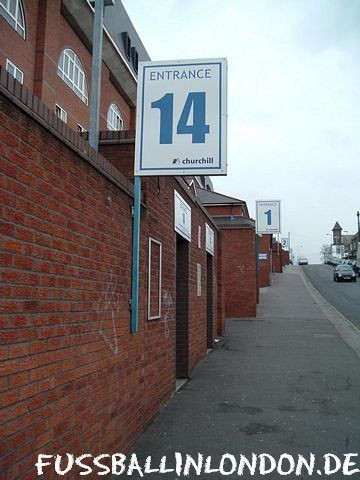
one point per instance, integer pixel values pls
(114, 118)
(13, 12)
(71, 71)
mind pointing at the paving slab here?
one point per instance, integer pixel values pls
(284, 383)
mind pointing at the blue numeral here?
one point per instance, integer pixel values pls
(195, 102)
(268, 214)
(166, 106)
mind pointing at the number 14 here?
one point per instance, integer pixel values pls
(195, 101)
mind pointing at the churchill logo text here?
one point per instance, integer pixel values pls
(193, 161)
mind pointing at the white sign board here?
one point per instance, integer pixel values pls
(210, 243)
(285, 242)
(182, 216)
(181, 118)
(262, 256)
(268, 216)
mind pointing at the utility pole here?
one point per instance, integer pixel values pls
(99, 6)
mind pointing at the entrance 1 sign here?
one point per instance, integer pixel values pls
(268, 216)
(181, 118)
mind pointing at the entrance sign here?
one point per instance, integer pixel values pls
(268, 216)
(285, 242)
(181, 118)
(182, 217)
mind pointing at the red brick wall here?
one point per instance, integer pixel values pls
(286, 257)
(239, 272)
(73, 377)
(221, 289)
(226, 210)
(69, 381)
(122, 157)
(158, 195)
(264, 246)
(277, 260)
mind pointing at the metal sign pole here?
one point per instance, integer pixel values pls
(96, 74)
(135, 256)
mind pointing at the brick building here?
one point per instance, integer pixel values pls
(74, 377)
(73, 373)
(277, 257)
(47, 46)
(238, 252)
(264, 259)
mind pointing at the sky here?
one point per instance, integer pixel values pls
(293, 101)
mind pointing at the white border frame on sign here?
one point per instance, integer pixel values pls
(217, 116)
(210, 240)
(268, 231)
(181, 228)
(154, 317)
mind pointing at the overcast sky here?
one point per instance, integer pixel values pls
(293, 101)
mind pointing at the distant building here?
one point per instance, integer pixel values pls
(337, 234)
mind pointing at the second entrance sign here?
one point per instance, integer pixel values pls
(181, 118)
(268, 216)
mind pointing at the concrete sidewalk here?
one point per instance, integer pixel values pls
(286, 382)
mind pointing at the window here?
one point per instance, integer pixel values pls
(154, 279)
(13, 12)
(114, 118)
(135, 59)
(14, 71)
(81, 128)
(72, 72)
(127, 44)
(60, 112)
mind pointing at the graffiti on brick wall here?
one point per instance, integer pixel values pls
(107, 307)
(169, 312)
(241, 268)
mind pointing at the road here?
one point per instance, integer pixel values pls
(344, 296)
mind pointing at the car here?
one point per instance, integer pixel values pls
(303, 261)
(343, 273)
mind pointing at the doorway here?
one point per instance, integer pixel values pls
(182, 307)
(209, 300)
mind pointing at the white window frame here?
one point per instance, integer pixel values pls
(17, 19)
(17, 72)
(114, 118)
(61, 113)
(154, 317)
(81, 129)
(71, 71)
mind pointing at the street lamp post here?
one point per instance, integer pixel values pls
(358, 219)
(300, 246)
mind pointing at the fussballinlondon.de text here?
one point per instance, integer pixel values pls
(184, 465)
